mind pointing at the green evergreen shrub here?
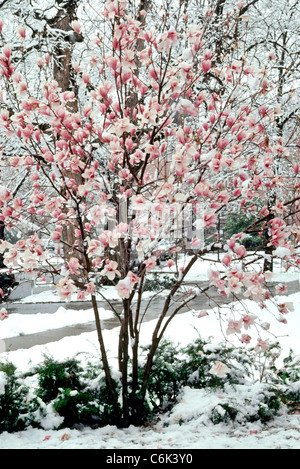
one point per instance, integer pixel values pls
(165, 378)
(200, 355)
(79, 396)
(54, 375)
(159, 282)
(18, 408)
(76, 407)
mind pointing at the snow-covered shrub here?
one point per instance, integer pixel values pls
(290, 372)
(53, 376)
(292, 394)
(88, 404)
(234, 404)
(76, 395)
(159, 282)
(165, 379)
(175, 367)
(182, 385)
(18, 406)
(76, 407)
(290, 375)
(246, 403)
(200, 355)
(251, 388)
(3, 381)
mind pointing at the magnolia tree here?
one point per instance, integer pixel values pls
(166, 135)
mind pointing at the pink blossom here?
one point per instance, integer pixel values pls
(268, 276)
(256, 181)
(40, 62)
(21, 244)
(74, 266)
(11, 257)
(230, 121)
(139, 202)
(248, 320)
(226, 260)
(7, 51)
(22, 32)
(284, 308)
(167, 40)
(231, 243)
(5, 194)
(113, 62)
(234, 327)
(122, 125)
(282, 320)
(65, 288)
(29, 261)
(219, 369)
(90, 287)
(186, 107)
(240, 251)
(213, 276)
(95, 247)
(210, 218)
(133, 278)
(124, 288)
(206, 65)
(86, 78)
(7, 211)
(3, 314)
(202, 314)
(112, 237)
(268, 162)
(278, 236)
(110, 270)
(242, 135)
(202, 189)
(150, 263)
(262, 345)
(76, 26)
(195, 242)
(245, 339)
(222, 143)
(280, 288)
(56, 236)
(122, 228)
(277, 223)
(81, 295)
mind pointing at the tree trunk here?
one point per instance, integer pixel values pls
(62, 72)
(268, 260)
(2, 237)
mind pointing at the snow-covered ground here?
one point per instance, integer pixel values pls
(282, 433)
(186, 426)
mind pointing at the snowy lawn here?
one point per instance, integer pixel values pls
(186, 426)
